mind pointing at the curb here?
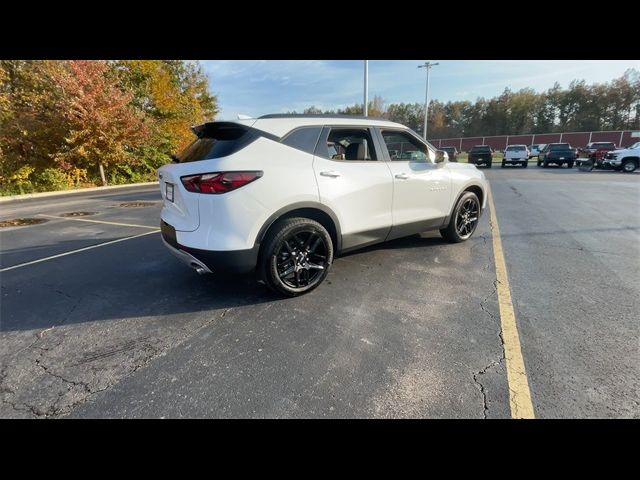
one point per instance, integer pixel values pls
(26, 196)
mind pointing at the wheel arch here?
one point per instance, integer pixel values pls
(313, 210)
(471, 187)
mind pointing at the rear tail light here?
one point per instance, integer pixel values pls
(218, 182)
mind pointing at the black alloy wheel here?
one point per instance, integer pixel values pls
(297, 257)
(464, 219)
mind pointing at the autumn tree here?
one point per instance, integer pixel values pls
(172, 95)
(103, 129)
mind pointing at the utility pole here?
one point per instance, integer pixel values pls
(428, 66)
(366, 88)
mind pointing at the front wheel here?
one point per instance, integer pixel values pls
(629, 166)
(539, 163)
(570, 165)
(525, 164)
(297, 256)
(503, 164)
(464, 220)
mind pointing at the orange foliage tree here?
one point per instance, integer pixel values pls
(103, 129)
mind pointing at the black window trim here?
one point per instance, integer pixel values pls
(322, 140)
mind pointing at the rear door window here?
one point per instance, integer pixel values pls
(350, 144)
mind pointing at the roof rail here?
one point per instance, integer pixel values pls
(320, 115)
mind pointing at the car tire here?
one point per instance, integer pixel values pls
(291, 237)
(525, 164)
(489, 164)
(468, 201)
(539, 163)
(545, 164)
(503, 164)
(570, 165)
(629, 166)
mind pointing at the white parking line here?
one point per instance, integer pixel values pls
(77, 251)
(97, 221)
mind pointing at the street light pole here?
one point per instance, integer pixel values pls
(428, 66)
(366, 88)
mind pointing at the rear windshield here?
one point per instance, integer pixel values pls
(559, 146)
(483, 149)
(603, 145)
(516, 148)
(217, 139)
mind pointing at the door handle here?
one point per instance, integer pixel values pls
(402, 176)
(330, 173)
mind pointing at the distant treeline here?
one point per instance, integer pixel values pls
(601, 106)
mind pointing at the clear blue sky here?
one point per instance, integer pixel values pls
(258, 87)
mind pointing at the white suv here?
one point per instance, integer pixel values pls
(284, 194)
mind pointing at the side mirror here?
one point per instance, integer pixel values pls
(441, 156)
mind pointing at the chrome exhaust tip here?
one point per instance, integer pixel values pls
(200, 270)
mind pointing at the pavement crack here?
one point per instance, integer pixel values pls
(477, 376)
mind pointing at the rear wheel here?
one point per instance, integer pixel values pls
(489, 164)
(464, 219)
(297, 256)
(504, 164)
(570, 165)
(545, 164)
(525, 164)
(539, 163)
(629, 166)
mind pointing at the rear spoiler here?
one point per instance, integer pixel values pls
(220, 130)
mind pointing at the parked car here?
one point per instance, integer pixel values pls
(534, 150)
(558, 153)
(452, 152)
(480, 155)
(625, 159)
(596, 150)
(282, 195)
(516, 155)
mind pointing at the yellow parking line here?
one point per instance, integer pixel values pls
(77, 251)
(519, 393)
(98, 221)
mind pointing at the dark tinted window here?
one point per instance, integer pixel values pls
(304, 139)
(603, 145)
(481, 149)
(559, 146)
(516, 148)
(217, 139)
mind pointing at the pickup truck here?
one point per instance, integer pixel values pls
(452, 152)
(558, 153)
(596, 150)
(480, 155)
(516, 155)
(626, 159)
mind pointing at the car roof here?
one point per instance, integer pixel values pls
(280, 124)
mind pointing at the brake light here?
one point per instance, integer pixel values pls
(218, 182)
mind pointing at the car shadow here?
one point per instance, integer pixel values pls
(132, 279)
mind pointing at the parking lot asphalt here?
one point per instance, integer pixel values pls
(410, 328)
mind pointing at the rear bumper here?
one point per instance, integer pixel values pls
(480, 161)
(515, 160)
(227, 261)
